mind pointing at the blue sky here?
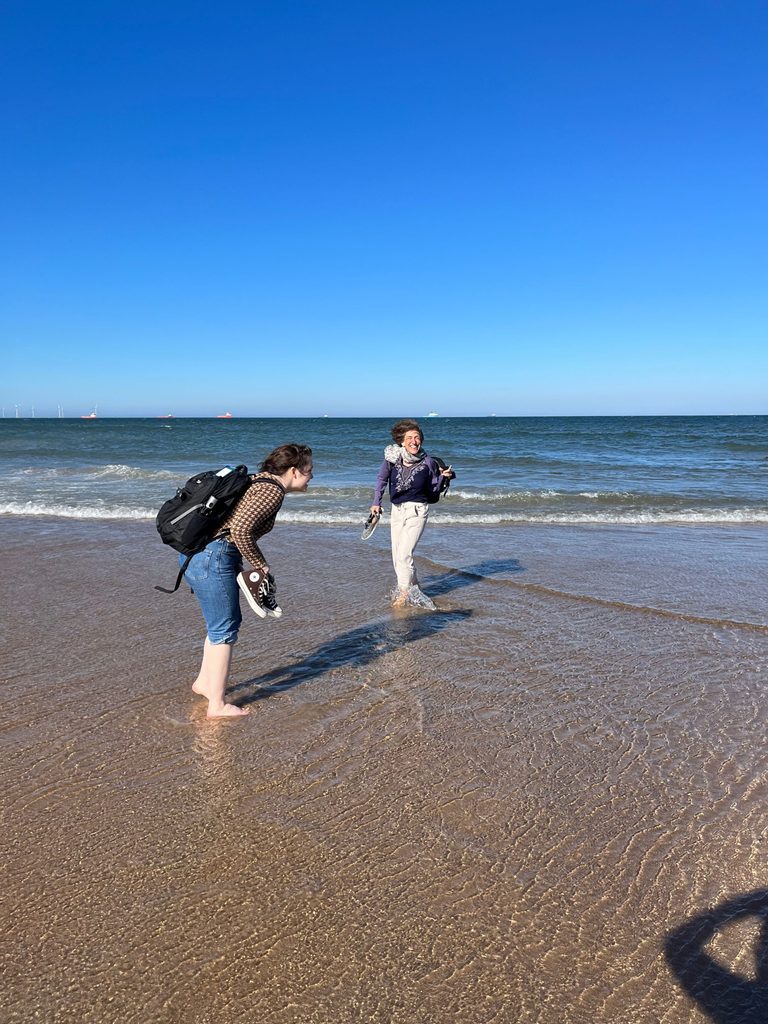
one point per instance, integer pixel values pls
(297, 208)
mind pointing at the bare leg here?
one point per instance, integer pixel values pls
(212, 680)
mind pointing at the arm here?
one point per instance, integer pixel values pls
(439, 478)
(253, 517)
(381, 482)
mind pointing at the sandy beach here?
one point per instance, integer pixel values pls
(527, 806)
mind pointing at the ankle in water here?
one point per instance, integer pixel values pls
(413, 597)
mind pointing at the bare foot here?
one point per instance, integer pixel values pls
(227, 711)
(199, 689)
(400, 600)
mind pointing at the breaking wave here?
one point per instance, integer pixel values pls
(438, 518)
(34, 508)
(714, 517)
(114, 470)
(542, 495)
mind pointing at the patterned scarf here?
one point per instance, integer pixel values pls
(404, 464)
(393, 452)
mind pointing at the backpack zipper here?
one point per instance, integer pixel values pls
(187, 513)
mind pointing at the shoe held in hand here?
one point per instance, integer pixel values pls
(254, 585)
(370, 525)
(269, 600)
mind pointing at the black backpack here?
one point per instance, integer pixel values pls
(446, 481)
(189, 520)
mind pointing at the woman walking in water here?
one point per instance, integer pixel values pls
(416, 481)
(216, 577)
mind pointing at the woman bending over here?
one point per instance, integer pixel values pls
(215, 573)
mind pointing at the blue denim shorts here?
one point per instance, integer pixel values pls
(212, 575)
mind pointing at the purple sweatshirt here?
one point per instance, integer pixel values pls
(421, 482)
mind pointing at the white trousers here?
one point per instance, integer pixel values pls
(407, 521)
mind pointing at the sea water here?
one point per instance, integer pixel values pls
(667, 513)
(559, 470)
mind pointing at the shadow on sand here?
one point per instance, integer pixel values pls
(726, 997)
(439, 585)
(359, 647)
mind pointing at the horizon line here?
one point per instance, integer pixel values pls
(385, 416)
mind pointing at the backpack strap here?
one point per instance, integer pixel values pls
(263, 479)
(258, 479)
(179, 578)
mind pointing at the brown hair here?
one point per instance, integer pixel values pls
(287, 456)
(402, 427)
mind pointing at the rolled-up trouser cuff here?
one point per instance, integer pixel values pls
(231, 639)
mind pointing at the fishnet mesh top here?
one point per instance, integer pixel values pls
(253, 516)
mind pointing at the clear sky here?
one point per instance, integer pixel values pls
(298, 208)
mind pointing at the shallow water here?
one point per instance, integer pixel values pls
(502, 811)
(716, 573)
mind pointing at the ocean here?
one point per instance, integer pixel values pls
(625, 471)
(668, 513)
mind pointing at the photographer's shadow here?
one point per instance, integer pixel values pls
(726, 997)
(359, 647)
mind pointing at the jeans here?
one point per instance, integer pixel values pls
(212, 575)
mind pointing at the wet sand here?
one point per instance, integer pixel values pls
(523, 807)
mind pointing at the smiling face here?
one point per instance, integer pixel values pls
(299, 478)
(412, 441)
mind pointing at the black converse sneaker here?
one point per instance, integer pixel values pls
(269, 600)
(254, 585)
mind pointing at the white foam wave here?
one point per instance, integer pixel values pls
(112, 469)
(135, 472)
(327, 518)
(606, 495)
(520, 496)
(714, 517)
(465, 495)
(33, 508)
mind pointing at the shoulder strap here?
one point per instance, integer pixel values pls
(179, 578)
(260, 479)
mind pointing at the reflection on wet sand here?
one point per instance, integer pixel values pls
(356, 648)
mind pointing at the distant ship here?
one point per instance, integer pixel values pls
(430, 414)
(168, 416)
(91, 415)
(224, 416)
